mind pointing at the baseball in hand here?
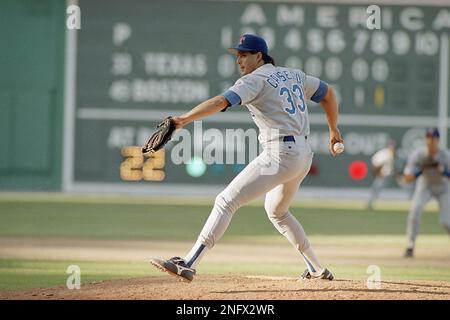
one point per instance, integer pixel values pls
(338, 147)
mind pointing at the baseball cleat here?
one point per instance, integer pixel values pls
(409, 253)
(326, 275)
(175, 266)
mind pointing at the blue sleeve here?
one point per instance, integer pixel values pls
(232, 98)
(446, 172)
(417, 173)
(320, 93)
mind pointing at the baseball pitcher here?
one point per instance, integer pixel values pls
(276, 98)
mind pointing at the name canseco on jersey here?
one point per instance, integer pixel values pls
(276, 98)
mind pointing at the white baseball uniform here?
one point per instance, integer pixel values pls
(383, 159)
(430, 183)
(276, 98)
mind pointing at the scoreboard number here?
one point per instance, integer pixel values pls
(137, 167)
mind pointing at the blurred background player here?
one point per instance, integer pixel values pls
(383, 169)
(430, 168)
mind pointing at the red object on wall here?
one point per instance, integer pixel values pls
(314, 170)
(358, 170)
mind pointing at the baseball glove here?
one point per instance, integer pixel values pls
(430, 163)
(161, 136)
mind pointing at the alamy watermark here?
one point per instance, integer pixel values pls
(215, 146)
(73, 20)
(373, 282)
(74, 280)
(234, 146)
(373, 21)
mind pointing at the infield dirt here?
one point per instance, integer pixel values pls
(239, 287)
(228, 286)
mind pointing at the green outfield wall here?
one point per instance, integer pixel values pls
(76, 105)
(31, 94)
(139, 63)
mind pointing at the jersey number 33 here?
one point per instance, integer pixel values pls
(293, 96)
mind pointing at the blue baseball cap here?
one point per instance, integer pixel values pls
(432, 132)
(250, 43)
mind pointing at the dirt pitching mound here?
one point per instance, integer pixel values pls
(238, 287)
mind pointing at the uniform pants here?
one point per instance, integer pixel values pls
(277, 172)
(422, 195)
(378, 184)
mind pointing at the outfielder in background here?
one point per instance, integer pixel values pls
(383, 162)
(430, 168)
(276, 98)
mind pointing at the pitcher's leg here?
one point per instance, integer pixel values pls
(277, 208)
(246, 186)
(277, 205)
